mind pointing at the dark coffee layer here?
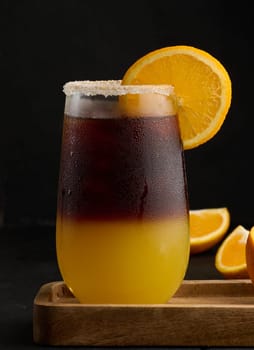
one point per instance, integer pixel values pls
(121, 168)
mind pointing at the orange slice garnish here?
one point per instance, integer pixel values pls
(201, 83)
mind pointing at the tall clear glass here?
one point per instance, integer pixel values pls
(122, 232)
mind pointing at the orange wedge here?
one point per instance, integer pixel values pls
(230, 258)
(207, 227)
(201, 83)
(250, 254)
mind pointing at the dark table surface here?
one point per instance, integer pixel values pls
(28, 260)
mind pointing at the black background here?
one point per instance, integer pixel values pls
(47, 43)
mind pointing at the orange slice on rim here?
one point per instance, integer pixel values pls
(201, 83)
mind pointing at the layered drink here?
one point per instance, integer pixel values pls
(122, 217)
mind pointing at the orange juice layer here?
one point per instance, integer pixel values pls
(124, 262)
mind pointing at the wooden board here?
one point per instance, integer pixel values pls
(202, 313)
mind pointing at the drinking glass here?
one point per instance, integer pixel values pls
(122, 231)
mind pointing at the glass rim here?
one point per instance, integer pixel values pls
(113, 88)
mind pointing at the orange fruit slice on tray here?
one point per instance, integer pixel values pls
(249, 253)
(207, 227)
(201, 84)
(230, 259)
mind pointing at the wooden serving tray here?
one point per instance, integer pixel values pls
(202, 313)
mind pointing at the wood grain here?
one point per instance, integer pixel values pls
(202, 313)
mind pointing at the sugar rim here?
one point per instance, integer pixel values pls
(113, 88)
